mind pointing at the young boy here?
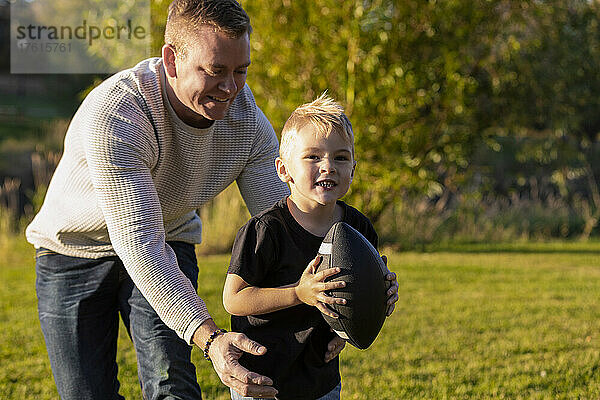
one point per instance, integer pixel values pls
(273, 296)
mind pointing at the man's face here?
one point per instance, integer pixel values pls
(209, 76)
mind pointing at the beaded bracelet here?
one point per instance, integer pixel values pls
(211, 338)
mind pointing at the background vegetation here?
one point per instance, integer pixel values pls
(474, 121)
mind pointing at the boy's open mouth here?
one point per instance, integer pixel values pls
(326, 184)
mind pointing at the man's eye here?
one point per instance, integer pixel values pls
(342, 158)
(241, 71)
(209, 72)
(312, 157)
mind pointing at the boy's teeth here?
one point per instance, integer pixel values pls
(325, 184)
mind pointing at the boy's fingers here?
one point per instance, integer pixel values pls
(326, 310)
(317, 260)
(331, 300)
(334, 348)
(326, 273)
(332, 285)
(390, 310)
(312, 266)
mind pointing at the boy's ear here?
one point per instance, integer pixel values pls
(168, 56)
(282, 170)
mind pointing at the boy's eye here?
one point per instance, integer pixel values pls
(342, 158)
(312, 157)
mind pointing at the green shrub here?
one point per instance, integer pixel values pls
(417, 223)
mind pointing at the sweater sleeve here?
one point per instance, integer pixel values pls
(120, 150)
(259, 184)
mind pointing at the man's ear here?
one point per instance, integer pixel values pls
(282, 170)
(169, 56)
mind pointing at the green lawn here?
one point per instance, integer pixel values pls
(512, 322)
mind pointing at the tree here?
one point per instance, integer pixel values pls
(554, 93)
(407, 73)
(425, 83)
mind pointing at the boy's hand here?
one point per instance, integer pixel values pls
(311, 286)
(334, 348)
(392, 291)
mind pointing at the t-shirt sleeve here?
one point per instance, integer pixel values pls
(254, 251)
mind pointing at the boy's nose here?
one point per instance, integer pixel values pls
(327, 166)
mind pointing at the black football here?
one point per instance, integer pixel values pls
(363, 270)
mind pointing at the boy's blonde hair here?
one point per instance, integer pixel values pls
(324, 114)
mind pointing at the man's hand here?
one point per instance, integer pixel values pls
(334, 348)
(225, 351)
(392, 291)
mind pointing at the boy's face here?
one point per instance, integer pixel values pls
(319, 169)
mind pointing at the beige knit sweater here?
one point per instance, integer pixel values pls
(132, 175)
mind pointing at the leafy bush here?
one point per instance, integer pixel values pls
(418, 224)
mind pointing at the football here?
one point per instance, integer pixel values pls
(363, 270)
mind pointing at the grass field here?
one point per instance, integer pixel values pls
(512, 322)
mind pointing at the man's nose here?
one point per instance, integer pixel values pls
(228, 85)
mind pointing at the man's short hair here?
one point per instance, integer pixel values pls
(187, 16)
(326, 117)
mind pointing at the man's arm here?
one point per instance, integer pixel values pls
(258, 183)
(120, 170)
(120, 151)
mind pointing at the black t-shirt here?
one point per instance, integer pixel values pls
(273, 250)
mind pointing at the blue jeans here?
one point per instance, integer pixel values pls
(335, 394)
(79, 301)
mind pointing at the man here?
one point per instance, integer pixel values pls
(117, 229)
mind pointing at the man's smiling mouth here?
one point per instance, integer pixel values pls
(218, 100)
